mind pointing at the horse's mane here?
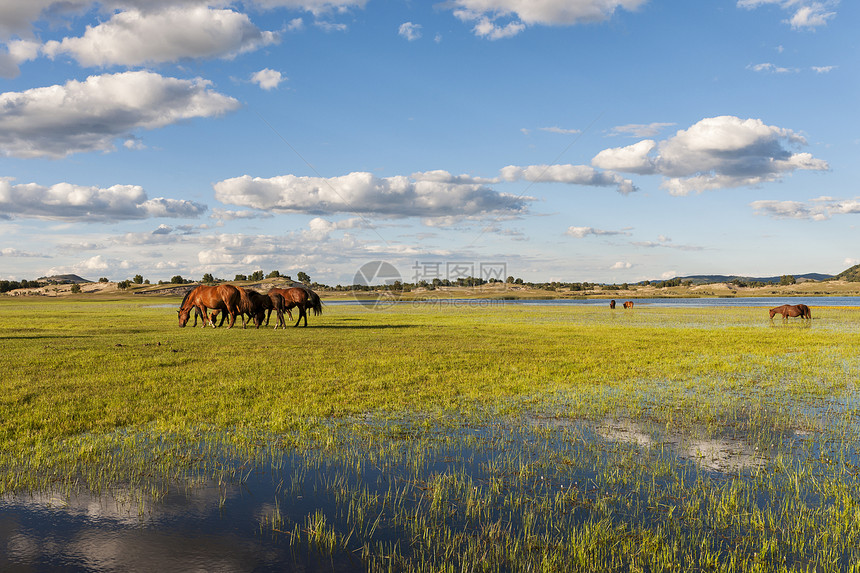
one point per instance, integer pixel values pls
(182, 304)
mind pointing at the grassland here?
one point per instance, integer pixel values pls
(653, 439)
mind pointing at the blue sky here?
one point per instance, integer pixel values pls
(578, 140)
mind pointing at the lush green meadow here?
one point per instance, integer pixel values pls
(713, 438)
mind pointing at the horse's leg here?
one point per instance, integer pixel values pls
(301, 314)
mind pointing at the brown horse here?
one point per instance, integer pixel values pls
(628, 304)
(225, 298)
(297, 297)
(254, 305)
(612, 303)
(788, 310)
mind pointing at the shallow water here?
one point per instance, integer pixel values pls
(261, 521)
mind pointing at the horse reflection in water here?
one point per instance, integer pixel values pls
(791, 310)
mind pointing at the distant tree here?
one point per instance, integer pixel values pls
(256, 276)
(177, 280)
(138, 279)
(207, 278)
(509, 280)
(787, 280)
(104, 280)
(273, 275)
(303, 277)
(240, 278)
(76, 288)
(122, 285)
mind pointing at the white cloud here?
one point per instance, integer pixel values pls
(515, 15)
(267, 79)
(430, 194)
(572, 174)
(582, 232)
(640, 129)
(56, 121)
(818, 209)
(823, 69)
(18, 16)
(716, 152)
(805, 13)
(772, 68)
(135, 37)
(621, 265)
(410, 31)
(548, 12)
(65, 201)
(630, 159)
(561, 130)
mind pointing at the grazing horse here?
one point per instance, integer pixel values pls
(301, 298)
(612, 303)
(787, 310)
(628, 304)
(226, 298)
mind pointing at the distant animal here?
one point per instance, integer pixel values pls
(225, 298)
(298, 297)
(612, 303)
(792, 310)
(628, 304)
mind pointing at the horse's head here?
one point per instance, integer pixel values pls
(772, 312)
(184, 314)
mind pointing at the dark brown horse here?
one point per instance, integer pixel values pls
(792, 310)
(254, 305)
(628, 304)
(225, 298)
(297, 297)
(612, 303)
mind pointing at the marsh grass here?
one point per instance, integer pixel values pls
(494, 437)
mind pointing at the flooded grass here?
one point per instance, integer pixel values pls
(513, 439)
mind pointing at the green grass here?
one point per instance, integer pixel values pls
(99, 394)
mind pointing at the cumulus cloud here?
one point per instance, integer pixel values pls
(805, 14)
(135, 37)
(267, 79)
(96, 264)
(572, 174)
(582, 232)
(621, 265)
(410, 31)
(497, 19)
(84, 116)
(430, 194)
(17, 51)
(18, 17)
(65, 201)
(716, 152)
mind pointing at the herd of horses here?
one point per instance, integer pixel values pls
(786, 310)
(207, 302)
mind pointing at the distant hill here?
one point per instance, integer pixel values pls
(64, 279)
(709, 279)
(851, 275)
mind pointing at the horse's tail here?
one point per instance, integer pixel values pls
(244, 301)
(316, 303)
